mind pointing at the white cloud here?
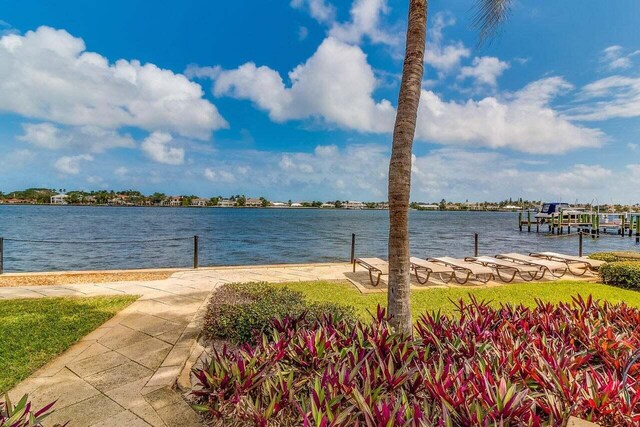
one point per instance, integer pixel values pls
(335, 85)
(484, 70)
(319, 10)
(303, 32)
(365, 21)
(523, 121)
(47, 74)
(611, 97)
(86, 138)
(443, 58)
(121, 172)
(156, 147)
(632, 147)
(219, 175)
(614, 58)
(70, 165)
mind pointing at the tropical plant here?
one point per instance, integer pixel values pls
(489, 15)
(22, 414)
(482, 366)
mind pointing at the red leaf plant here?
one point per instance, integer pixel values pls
(481, 366)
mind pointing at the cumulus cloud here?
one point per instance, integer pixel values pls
(611, 97)
(70, 165)
(48, 74)
(156, 147)
(615, 58)
(319, 10)
(443, 57)
(86, 138)
(366, 17)
(335, 85)
(219, 175)
(484, 70)
(523, 121)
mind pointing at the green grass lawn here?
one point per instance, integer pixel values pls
(439, 298)
(34, 331)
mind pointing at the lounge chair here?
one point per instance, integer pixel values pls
(468, 269)
(445, 273)
(587, 264)
(555, 268)
(504, 268)
(376, 267)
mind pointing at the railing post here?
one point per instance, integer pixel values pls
(353, 247)
(1, 255)
(195, 251)
(475, 236)
(580, 243)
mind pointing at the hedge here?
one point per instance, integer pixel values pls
(615, 256)
(238, 312)
(625, 274)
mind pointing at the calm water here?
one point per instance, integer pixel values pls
(253, 236)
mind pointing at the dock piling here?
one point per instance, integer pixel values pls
(529, 221)
(475, 236)
(1, 255)
(580, 243)
(520, 221)
(353, 248)
(195, 251)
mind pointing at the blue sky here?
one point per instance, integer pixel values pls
(295, 99)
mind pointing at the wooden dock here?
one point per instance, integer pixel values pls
(590, 223)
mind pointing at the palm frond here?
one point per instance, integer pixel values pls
(489, 15)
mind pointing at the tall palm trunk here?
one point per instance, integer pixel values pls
(400, 168)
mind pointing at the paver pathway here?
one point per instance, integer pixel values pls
(122, 373)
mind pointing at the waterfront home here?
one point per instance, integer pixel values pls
(354, 205)
(328, 205)
(226, 203)
(14, 201)
(59, 199)
(428, 207)
(172, 201)
(278, 205)
(119, 200)
(382, 205)
(296, 205)
(253, 203)
(511, 208)
(199, 202)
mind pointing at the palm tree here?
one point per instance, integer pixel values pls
(489, 15)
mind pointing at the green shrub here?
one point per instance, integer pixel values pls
(239, 311)
(625, 274)
(615, 256)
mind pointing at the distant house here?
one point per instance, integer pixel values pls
(59, 199)
(226, 203)
(199, 202)
(119, 200)
(511, 208)
(14, 201)
(279, 205)
(328, 205)
(429, 207)
(253, 203)
(296, 205)
(382, 205)
(172, 201)
(354, 205)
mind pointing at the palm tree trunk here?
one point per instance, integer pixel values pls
(400, 168)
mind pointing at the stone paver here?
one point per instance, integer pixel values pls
(123, 373)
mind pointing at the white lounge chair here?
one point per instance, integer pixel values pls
(505, 267)
(468, 269)
(445, 273)
(376, 267)
(555, 268)
(587, 264)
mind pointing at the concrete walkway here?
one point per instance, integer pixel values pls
(123, 373)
